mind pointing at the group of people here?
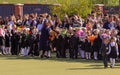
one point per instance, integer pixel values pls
(95, 37)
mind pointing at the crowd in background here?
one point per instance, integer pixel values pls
(72, 36)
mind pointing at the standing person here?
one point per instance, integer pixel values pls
(118, 41)
(15, 43)
(66, 22)
(88, 48)
(82, 48)
(44, 38)
(25, 43)
(58, 44)
(40, 24)
(23, 36)
(7, 42)
(74, 42)
(36, 41)
(104, 51)
(89, 44)
(113, 51)
(2, 39)
(31, 52)
(96, 44)
(36, 45)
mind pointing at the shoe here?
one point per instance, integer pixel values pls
(105, 67)
(46, 56)
(41, 56)
(111, 66)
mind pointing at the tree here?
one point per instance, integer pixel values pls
(81, 7)
(106, 2)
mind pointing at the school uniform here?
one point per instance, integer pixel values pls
(31, 44)
(24, 44)
(2, 44)
(96, 46)
(82, 49)
(118, 41)
(58, 45)
(36, 45)
(27, 44)
(113, 53)
(7, 43)
(104, 50)
(88, 49)
(74, 42)
(2, 40)
(23, 36)
(65, 46)
(15, 44)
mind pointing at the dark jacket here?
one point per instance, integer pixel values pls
(104, 49)
(106, 25)
(74, 41)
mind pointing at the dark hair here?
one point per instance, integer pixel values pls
(55, 15)
(112, 38)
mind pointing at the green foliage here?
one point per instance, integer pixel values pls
(81, 7)
(106, 2)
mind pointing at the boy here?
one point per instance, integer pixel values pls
(104, 51)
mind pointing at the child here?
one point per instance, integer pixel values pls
(23, 38)
(88, 49)
(96, 44)
(36, 45)
(104, 50)
(25, 43)
(113, 51)
(7, 42)
(2, 39)
(58, 46)
(15, 43)
(74, 42)
(82, 48)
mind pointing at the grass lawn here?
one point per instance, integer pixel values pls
(17, 65)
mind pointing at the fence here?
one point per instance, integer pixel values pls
(8, 9)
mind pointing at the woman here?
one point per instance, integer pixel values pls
(113, 51)
(44, 38)
(66, 22)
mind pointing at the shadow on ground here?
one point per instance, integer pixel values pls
(93, 68)
(10, 57)
(92, 63)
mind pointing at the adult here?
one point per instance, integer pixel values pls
(44, 38)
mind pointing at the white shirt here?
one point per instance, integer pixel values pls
(39, 27)
(113, 44)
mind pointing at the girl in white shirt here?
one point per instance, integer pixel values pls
(113, 51)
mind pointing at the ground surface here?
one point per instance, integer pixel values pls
(17, 65)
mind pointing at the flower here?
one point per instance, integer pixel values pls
(91, 38)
